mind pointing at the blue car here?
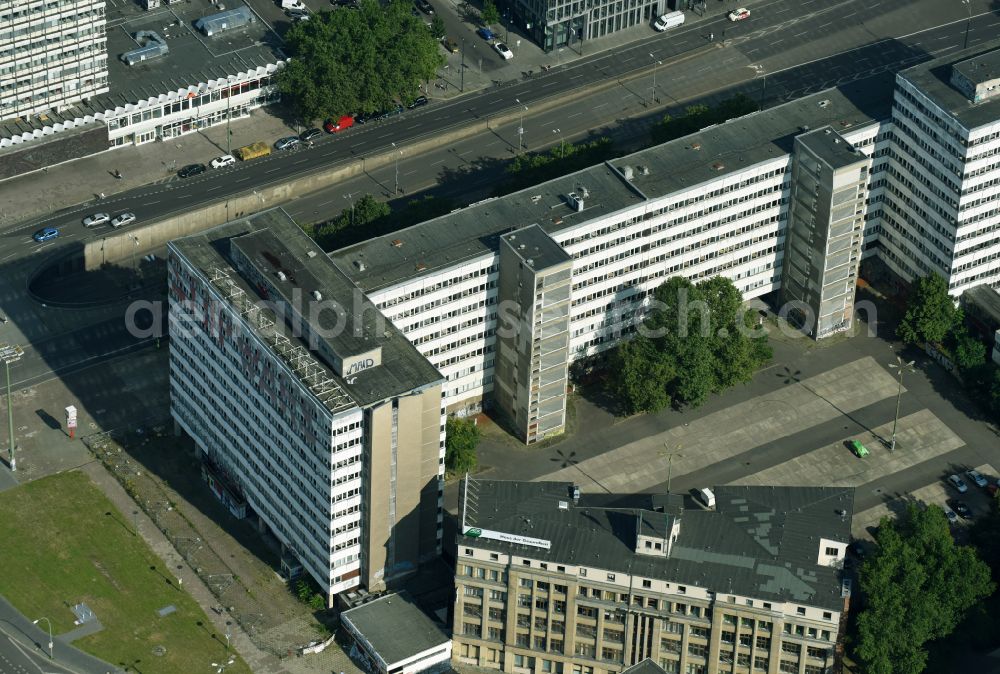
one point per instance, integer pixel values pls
(485, 33)
(45, 234)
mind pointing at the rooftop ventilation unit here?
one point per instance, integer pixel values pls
(360, 265)
(643, 170)
(718, 166)
(563, 505)
(575, 201)
(223, 21)
(627, 172)
(282, 276)
(151, 46)
(825, 102)
(397, 243)
(317, 295)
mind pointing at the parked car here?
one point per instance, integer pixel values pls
(309, 134)
(950, 514)
(958, 484)
(485, 33)
(739, 14)
(418, 102)
(503, 51)
(191, 170)
(96, 219)
(450, 45)
(977, 477)
(296, 13)
(960, 507)
(344, 122)
(45, 234)
(123, 219)
(859, 450)
(301, 17)
(224, 160)
(424, 6)
(287, 143)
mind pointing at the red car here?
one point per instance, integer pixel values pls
(345, 122)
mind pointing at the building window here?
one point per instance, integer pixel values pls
(832, 552)
(763, 643)
(827, 615)
(728, 637)
(468, 552)
(799, 610)
(788, 667)
(760, 663)
(526, 562)
(525, 582)
(494, 556)
(816, 652)
(697, 649)
(647, 583)
(611, 577)
(472, 630)
(682, 589)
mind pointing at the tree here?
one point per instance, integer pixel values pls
(697, 117)
(918, 586)
(490, 14)
(641, 376)
(437, 27)
(359, 61)
(968, 351)
(930, 312)
(461, 439)
(364, 216)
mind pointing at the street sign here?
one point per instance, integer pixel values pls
(71, 420)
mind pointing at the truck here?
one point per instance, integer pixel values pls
(669, 20)
(253, 151)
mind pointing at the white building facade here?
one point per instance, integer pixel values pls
(52, 54)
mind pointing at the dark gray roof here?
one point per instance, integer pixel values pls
(273, 242)
(934, 79)
(647, 666)
(986, 300)
(395, 627)
(726, 148)
(760, 542)
(831, 147)
(536, 248)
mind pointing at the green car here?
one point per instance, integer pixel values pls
(859, 450)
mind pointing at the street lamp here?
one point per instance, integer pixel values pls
(462, 85)
(562, 145)
(520, 125)
(901, 366)
(35, 622)
(397, 152)
(670, 454)
(229, 633)
(652, 90)
(350, 195)
(221, 666)
(968, 22)
(10, 354)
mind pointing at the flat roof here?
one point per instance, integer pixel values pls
(760, 542)
(933, 78)
(193, 58)
(273, 242)
(395, 627)
(831, 147)
(679, 164)
(536, 248)
(980, 69)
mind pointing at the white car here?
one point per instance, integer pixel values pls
(950, 514)
(123, 219)
(224, 160)
(958, 483)
(739, 14)
(96, 219)
(977, 477)
(503, 51)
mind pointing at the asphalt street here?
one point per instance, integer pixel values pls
(780, 27)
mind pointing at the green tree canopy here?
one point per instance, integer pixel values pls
(918, 586)
(697, 117)
(969, 352)
(461, 440)
(930, 312)
(349, 62)
(490, 14)
(695, 340)
(367, 211)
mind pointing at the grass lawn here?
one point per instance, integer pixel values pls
(60, 548)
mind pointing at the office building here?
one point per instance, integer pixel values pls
(787, 199)
(548, 581)
(558, 24)
(306, 403)
(171, 70)
(52, 54)
(941, 208)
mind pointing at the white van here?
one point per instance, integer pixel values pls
(293, 4)
(669, 20)
(707, 497)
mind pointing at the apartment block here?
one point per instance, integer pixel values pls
(306, 403)
(53, 53)
(548, 581)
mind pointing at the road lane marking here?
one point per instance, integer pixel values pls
(150, 203)
(575, 114)
(274, 170)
